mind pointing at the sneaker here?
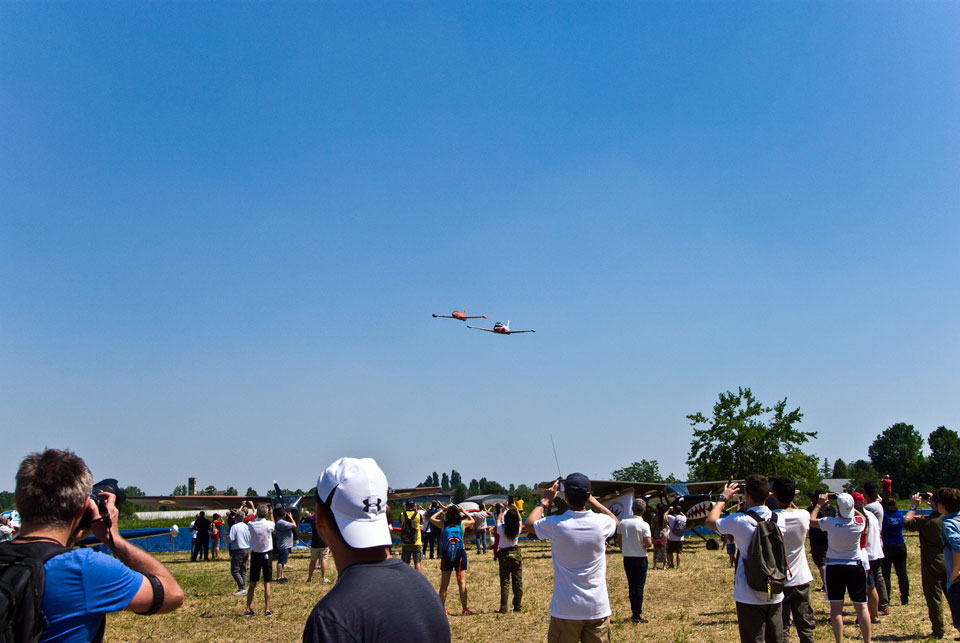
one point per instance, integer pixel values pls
(326, 580)
(240, 592)
(249, 613)
(502, 611)
(466, 612)
(884, 612)
(268, 613)
(517, 610)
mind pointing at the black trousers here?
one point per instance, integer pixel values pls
(896, 556)
(432, 542)
(201, 543)
(636, 569)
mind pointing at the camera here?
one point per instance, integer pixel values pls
(109, 485)
(926, 495)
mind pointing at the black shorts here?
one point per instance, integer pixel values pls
(846, 579)
(283, 555)
(261, 562)
(674, 546)
(458, 564)
(819, 555)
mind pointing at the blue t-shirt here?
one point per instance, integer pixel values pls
(891, 531)
(951, 541)
(82, 586)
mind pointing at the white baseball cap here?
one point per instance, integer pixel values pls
(845, 505)
(355, 490)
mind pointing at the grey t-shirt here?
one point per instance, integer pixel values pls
(373, 602)
(284, 531)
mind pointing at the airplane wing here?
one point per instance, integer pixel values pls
(413, 492)
(489, 330)
(197, 502)
(447, 316)
(713, 486)
(511, 332)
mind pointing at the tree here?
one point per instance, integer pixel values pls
(455, 478)
(859, 472)
(459, 493)
(179, 490)
(643, 471)
(251, 492)
(840, 469)
(7, 500)
(524, 492)
(210, 490)
(436, 480)
(445, 482)
(474, 488)
(737, 441)
(825, 471)
(943, 464)
(898, 451)
(231, 491)
(492, 486)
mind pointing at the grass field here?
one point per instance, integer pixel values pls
(691, 604)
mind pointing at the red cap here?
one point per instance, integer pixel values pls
(857, 497)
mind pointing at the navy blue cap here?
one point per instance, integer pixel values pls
(578, 483)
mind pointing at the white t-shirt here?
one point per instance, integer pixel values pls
(240, 536)
(742, 527)
(503, 541)
(795, 524)
(843, 539)
(633, 531)
(578, 543)
(193, 532)
(6, 533)
(676, 524)
(260, 531)
(874, 546)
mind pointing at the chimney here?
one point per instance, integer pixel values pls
(191, 486)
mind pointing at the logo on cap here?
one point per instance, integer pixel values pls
(369, 507)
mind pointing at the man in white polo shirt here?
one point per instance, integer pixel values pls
(796, 591)
(633, 536)
(580, 607)
(261, 544)
(758, 614)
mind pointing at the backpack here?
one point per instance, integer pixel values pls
(408, 528)
(765, 565)
(452, 543)
(678, 526)
(22, 580)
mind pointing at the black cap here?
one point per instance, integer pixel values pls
(577, 483)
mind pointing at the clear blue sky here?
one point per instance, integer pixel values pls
(224, 227)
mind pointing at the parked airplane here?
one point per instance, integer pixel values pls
(461, 316)
(501, 329)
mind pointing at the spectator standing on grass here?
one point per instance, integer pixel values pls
(377, 598)
(677, 525)
(872, 504)
(634, 539)
(239, 539)
(411, 543)
(215, 526)
(580, 607)
(933, 575)
(950, 501)
(261, 545)
(508, 556)
(758, 613)
(846, 572)
(870, 554)
(795, 523)
(480, 528)
(453, 523)
(81, 585)
(433, 534)
(887, 485)
(285, 530)
(894, 549)
(201, 540)
(819, 541)
(318, 552)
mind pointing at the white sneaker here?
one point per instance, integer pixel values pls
(326, 580)
(241, 592)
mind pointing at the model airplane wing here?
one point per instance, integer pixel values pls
(489, 330)
(511, 332)
(447, 316)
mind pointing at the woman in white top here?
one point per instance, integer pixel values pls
(845, 572)
(508, 554)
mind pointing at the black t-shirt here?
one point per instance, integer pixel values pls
(371, 602)
(202, 527)
(818, 537)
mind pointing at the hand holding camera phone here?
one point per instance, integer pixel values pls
(103, 521)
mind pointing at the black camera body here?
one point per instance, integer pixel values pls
(109, 485)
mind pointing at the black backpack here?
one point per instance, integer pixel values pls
(765, 565)
(408, 530)
(21, 590)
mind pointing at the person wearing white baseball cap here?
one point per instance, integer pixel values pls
(845, 570)
(376, 595)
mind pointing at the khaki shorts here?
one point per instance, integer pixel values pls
(567, 631)
(319, 552)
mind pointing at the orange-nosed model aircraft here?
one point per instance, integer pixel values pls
(501, 329)
(461, 316)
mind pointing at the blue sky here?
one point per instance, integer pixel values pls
(224, 227)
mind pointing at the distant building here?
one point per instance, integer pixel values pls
(835, 485)
(191, 486)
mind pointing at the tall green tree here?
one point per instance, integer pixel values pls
(943, 464)
(744, 436)
(251, 492)
(643, 471)
(859, 471)
(445, 482)
(231, 491)
(179, 490)
(898, 451)
(825, 470)
(7, 500)
(839, 469)
(474, 488)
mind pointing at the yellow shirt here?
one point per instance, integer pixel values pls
(520, 505)
(405, 516)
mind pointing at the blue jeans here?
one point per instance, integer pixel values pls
(481, 538)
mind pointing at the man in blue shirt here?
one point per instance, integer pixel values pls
(949, 499)
(83, 586)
